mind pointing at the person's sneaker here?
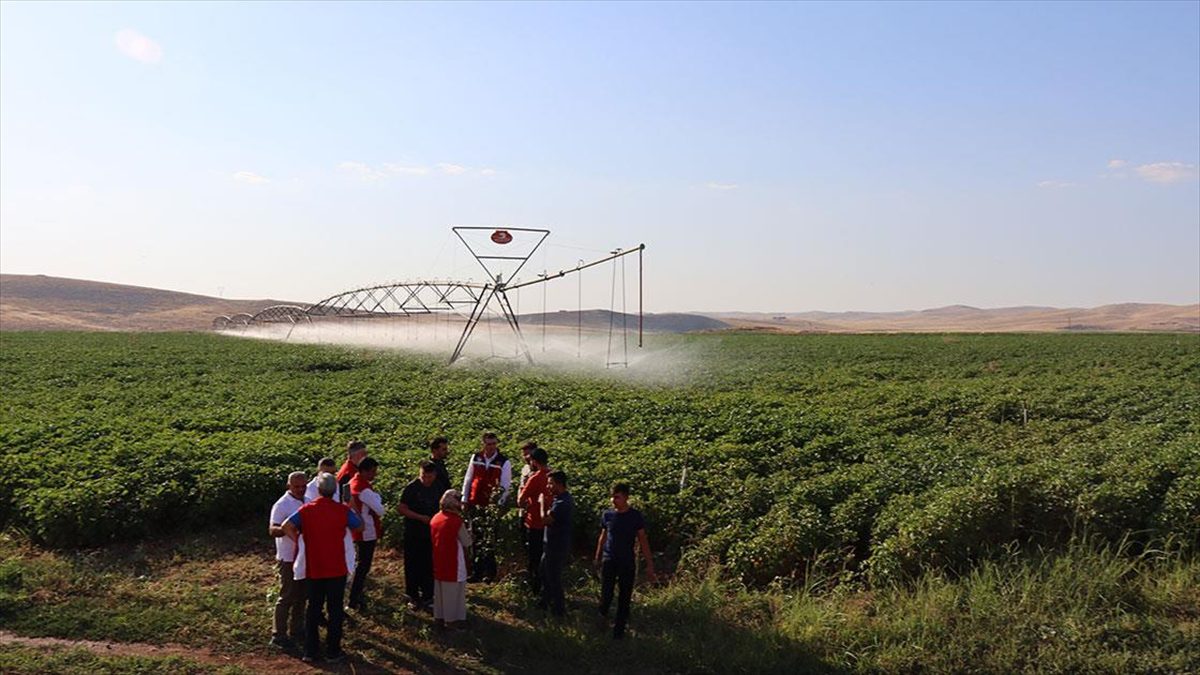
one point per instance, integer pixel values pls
(281, 642)
(336, 657)
(308, 658)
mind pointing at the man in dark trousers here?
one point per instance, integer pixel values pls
(485, 489)
(620, 527)
(535, 497)
(418, 504)
(322, 524)
(557, 544)
(368, 504)
(439, 449)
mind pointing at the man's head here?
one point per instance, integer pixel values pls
(620, 496)
(527, 450)
(539, 459)
(326, 465)
(451, 501)
(491, 444)
(296, 484)
(439, 447)
(368, 467)
(327, 484)
(428, 473)
(558, 482)
(356, 451)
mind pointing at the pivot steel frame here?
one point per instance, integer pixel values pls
(409, 298)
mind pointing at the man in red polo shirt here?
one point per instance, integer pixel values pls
(322, 524)
(356, 452)
(485, 487)
(535, 497)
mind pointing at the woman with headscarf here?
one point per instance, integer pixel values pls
(450, 543)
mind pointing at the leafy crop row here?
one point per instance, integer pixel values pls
(766, 454)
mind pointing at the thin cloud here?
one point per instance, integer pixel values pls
(1167, 172)
(452, 169)
(250, 177)
(137, 46)
(1117, 163)
(487, 172)
(1056, 184)
(360, 171)
(407, 170)
(723, 187)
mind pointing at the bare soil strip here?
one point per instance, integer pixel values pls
(257, 663)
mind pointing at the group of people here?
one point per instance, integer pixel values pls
(326, 531)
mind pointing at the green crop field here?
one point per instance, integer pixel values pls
(763, 463)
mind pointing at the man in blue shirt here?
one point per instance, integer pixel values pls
(557, 547)
(620, 526)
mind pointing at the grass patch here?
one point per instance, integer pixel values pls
(1091, 607)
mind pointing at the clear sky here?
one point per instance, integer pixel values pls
(772, 157)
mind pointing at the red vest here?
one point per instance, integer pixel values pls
(357, 485)
(323, 525)
(344, 475)
(484, 478)
(443, 529)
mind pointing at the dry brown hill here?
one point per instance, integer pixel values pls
(37, 302)
(961, 318)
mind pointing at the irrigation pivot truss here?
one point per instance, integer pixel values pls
(490, 248)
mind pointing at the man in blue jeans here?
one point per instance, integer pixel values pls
(620, 526)
(557, 544)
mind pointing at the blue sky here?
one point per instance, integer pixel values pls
(772, 157)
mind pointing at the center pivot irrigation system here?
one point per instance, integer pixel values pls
(502, 253)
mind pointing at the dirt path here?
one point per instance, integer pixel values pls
(253, 662)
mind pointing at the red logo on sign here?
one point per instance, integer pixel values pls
(501, 236)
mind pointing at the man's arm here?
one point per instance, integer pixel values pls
(373, 501)
(505, 480)
(466, 486)
(645, 544)
(291, 526)
(600, 544)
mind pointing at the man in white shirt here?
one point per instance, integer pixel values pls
(367, 503)
(486, 485)
(292, 594)
(326, 465)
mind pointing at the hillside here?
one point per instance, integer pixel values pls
(37, 302)
(961, 318)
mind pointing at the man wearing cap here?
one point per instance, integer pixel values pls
(321, 524)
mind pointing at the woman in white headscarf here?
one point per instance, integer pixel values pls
(450, 543)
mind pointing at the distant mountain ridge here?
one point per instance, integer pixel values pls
(37, 302)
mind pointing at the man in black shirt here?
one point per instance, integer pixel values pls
(620, 527)
(557, 543)
(439, 449)
(418, 503)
